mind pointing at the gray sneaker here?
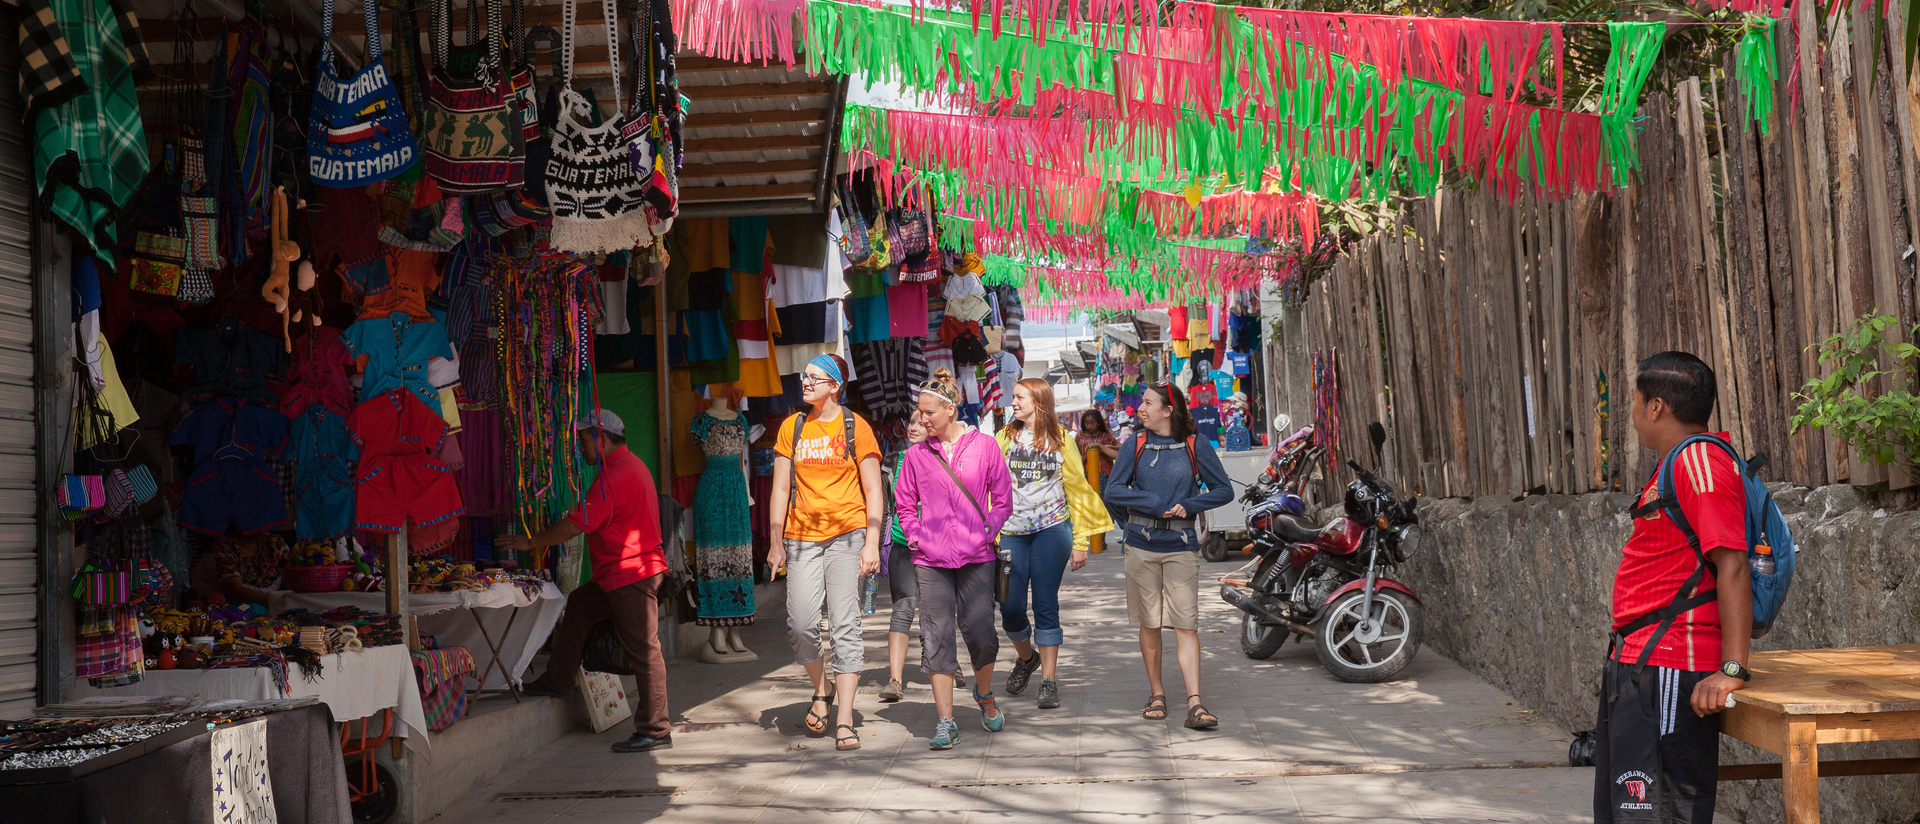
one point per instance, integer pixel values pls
(1049, 695)
(1022, 670)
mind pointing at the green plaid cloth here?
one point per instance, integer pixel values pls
(90, 149)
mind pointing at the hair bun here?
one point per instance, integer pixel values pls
(943, 374)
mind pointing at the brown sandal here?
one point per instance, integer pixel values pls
(843, 743)
(1155, 703)
(1199, 719)
(816, 723)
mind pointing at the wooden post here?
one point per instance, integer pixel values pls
(1800, 771)
(663, 389)
(397, 590)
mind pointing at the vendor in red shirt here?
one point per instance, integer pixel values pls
(1657, 745)
(620, 515)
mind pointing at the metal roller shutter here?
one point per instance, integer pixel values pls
(19, 566)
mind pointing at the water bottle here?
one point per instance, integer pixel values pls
(1762, 560)
(873, 588)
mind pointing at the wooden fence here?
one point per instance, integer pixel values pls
(1499, 340)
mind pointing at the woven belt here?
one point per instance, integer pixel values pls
(1161, 523)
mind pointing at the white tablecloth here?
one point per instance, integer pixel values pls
(445, 616)
(353, 684)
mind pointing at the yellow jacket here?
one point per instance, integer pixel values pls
(1084, 507)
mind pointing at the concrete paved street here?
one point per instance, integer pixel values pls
(1434, 746)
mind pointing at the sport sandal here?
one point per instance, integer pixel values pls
(893, 691)
(849, 741)
(816, 723)
(1156, 709)
(1198, 718)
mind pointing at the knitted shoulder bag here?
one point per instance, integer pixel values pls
(471, 136)
(597, 197)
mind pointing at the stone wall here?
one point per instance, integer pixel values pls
(1519, 592)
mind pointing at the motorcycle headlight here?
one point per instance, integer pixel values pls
(1408, 540)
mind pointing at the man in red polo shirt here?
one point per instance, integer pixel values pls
(620, 515)
(1657, 745)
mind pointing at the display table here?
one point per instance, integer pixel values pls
(501, 625)
(175, 784)
(1800, 699)
(353, 684)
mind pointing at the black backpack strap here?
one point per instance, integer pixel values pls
(847, 415)
(1669, 503)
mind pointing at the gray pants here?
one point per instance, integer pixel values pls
(824, 576)
(961, 597)
(904, 588)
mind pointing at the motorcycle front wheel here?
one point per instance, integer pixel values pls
(1259, 640)
(1365, 652)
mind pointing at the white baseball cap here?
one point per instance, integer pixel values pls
(606, 420)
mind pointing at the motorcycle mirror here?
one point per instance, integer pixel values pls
(1283, 424)
(1379, 435)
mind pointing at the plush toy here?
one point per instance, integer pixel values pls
(305, 300)
(283, 253)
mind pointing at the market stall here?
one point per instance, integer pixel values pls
(507, 622)
(194, 765)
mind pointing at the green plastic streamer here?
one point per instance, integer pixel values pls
(1635, 48)
(1756, 65)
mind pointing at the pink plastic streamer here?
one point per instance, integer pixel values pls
(743, 31)
(1272, 216)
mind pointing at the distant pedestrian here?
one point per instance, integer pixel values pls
(1055, 511)
(620, 515)
(953, 498)
(1100, 447)
(1164, 478)
(1682, 613)
(831, 538)
(901, 581)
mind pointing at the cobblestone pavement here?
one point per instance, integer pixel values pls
(1436, 745)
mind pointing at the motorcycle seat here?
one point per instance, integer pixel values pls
(1294, 529)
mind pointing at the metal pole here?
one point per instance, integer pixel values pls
(663, 474)
(397, 604)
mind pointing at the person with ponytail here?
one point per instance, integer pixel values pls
(953, 497)
(1163, 479)
(830, 527)
(1055, 513)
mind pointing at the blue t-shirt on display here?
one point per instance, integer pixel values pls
(1222, 384)
(1206, 422)
(1238, 363)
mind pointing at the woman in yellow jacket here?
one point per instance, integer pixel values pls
(1055, 511)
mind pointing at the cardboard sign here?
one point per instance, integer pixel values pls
(606, 699)
(242, 785)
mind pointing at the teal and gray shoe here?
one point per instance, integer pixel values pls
(1049, 694)
(990, 715)
(1022, 670)
(944, 734)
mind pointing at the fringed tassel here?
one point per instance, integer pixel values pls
(1757, 68)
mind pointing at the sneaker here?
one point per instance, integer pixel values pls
(990, 715)
(1049, 695)
(944, 734)
(1022, 670)
(892, 692)
(643, 743)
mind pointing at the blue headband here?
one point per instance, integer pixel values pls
(826, 364)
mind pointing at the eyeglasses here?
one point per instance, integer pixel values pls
(810, 380)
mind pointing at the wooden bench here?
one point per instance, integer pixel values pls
(1800, 699)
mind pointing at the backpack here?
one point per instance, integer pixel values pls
(1140, 447)
(1765, 527)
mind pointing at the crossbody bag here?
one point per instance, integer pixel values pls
(1002, 568)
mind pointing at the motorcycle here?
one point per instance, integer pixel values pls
(1331, 583)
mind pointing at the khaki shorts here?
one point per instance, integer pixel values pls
(1163, 589)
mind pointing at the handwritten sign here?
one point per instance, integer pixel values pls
(242, 786)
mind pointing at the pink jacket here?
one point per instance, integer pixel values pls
(942, 527)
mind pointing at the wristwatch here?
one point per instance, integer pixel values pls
(1732, 669)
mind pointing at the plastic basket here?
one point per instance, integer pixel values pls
(315, 578)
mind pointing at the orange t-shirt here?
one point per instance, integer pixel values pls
(413, 274)
(831, 500)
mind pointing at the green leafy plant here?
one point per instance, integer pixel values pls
(1880, 423)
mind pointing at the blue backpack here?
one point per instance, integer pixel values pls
(1765, 527)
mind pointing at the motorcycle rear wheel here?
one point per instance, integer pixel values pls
(1260, 640)
(1214, 548)
(1340, 642)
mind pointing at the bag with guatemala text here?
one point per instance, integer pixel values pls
(921, 269)
(598, 200)
(356, 132)
(1766, 534)
(471, 135)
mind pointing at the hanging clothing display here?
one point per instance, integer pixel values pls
(724, 553)
(400, 482)
(231, 481)
(324, 455)
(230, 358)
(318, 374)
(394, 352)
(81, 59)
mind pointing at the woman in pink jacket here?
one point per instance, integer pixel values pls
(953, 496)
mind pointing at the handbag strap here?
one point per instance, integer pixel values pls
(443, 34)
(568, 14)
(369, 14)
(956, 479)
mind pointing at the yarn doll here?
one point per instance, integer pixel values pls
(283, 253)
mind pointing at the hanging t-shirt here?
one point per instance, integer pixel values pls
(1222, 384)
(907, 310)
(1202, 395)
(1206, 422)
(1240, 363)
(832, 501)
(1039, 486)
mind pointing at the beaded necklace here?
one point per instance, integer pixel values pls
(545, 308)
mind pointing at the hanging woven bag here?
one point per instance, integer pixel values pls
(597, 198)
(356, 131)
(472, 137)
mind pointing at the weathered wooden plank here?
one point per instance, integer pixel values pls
(1884, 188)
(1852, 257)
(1814, 234)
(1716, 302)
(1751, 322)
